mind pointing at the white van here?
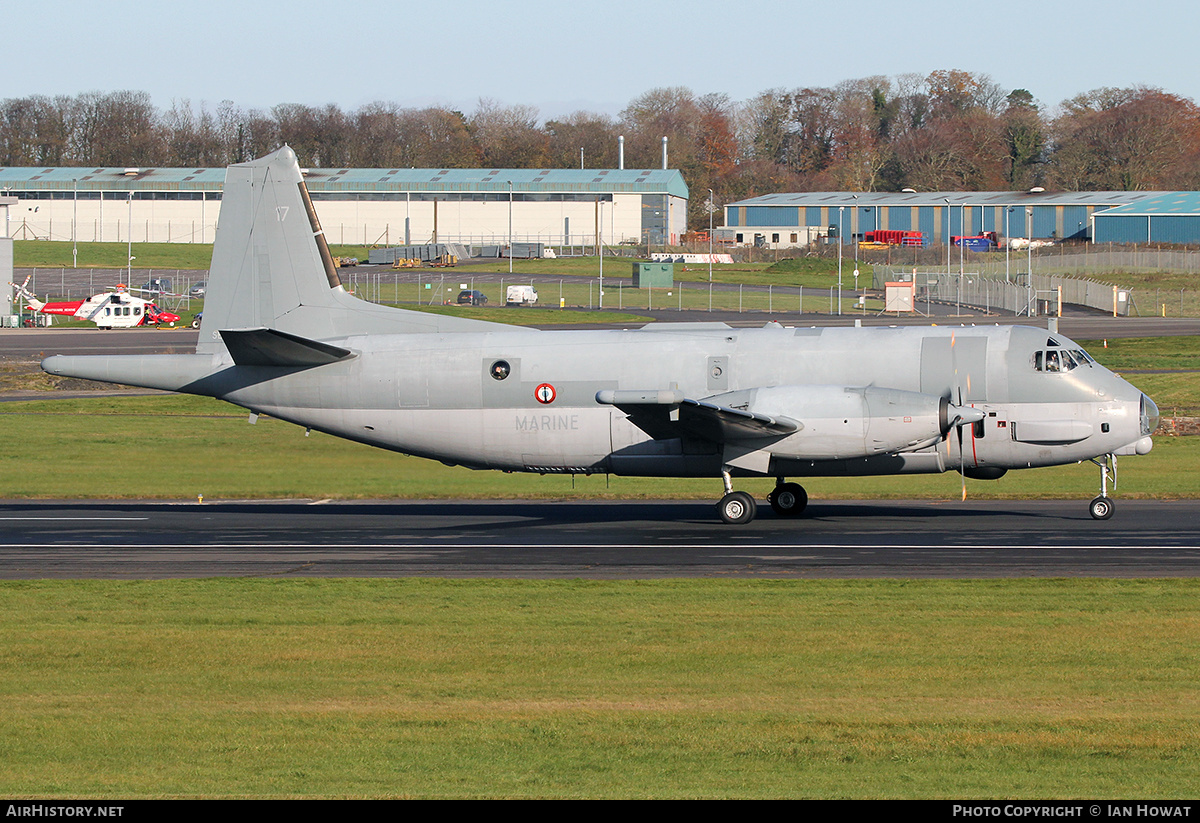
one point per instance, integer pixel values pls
(520, 296)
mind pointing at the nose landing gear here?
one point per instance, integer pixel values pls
(1102, 507)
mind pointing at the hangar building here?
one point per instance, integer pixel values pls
(367, 206)
(783, 220)
(1159, 217)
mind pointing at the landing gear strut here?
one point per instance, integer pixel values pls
(787, 499)
(735, 508)
(1102, 508)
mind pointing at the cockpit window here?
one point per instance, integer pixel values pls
(1060, 360)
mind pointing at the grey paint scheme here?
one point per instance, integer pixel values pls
(678, 400)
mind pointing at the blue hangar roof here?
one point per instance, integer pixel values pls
(647, 181)
(834, 199)
(1173, 202)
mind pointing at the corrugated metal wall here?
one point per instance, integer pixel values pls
(1123, 229)
(1175, 228)
(774, 216)
(1063, 222)
(1073, 222)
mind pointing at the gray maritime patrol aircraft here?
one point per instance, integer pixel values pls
(281, 336)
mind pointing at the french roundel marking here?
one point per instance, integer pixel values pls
(545, 393)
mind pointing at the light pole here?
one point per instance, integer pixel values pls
(853, 234)
(1007, 242)
(129, 267)
(600, 245)
(841, 233)
(510, 236)
(962, 227)
(74, 223)
(946, 200)
(1029, 260)
(710, 207)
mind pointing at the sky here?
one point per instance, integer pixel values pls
(562, 57)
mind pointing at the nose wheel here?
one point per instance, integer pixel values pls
(1102, 507)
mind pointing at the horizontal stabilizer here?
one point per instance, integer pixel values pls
(271, 347)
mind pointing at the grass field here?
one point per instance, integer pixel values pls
(435, 688)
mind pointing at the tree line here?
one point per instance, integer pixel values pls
(949, 130)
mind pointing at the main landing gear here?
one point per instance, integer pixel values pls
(1102, 507)
(786, 499)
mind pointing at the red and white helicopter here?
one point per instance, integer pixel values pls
(109, 310)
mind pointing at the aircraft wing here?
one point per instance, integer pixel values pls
(667, 413)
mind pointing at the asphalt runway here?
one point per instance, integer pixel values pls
(605, 540)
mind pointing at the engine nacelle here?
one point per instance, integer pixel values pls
(840, 422)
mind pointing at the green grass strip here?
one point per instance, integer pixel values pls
(436, 688)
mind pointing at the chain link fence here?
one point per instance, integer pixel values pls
(978, 288)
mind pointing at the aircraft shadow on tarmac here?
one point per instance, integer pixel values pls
(458, 516)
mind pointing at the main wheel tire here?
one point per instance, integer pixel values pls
(737, 508)
(788, 499)
(1101, 508)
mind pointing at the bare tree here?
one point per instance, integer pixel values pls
(595, 134)
(508, 136)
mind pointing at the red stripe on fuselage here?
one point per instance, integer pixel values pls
(68, 309)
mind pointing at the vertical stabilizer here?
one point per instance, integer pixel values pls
(271, 267)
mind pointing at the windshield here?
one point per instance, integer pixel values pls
(1149, 415)
(1061, 360)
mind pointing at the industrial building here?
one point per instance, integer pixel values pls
(796, 219)
(360, 206)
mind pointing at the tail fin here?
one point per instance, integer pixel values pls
(271, 267)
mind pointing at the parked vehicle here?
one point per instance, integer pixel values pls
(521, 296)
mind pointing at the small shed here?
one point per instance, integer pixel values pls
(653, 275)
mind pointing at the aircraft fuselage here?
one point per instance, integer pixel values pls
(435, 396)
